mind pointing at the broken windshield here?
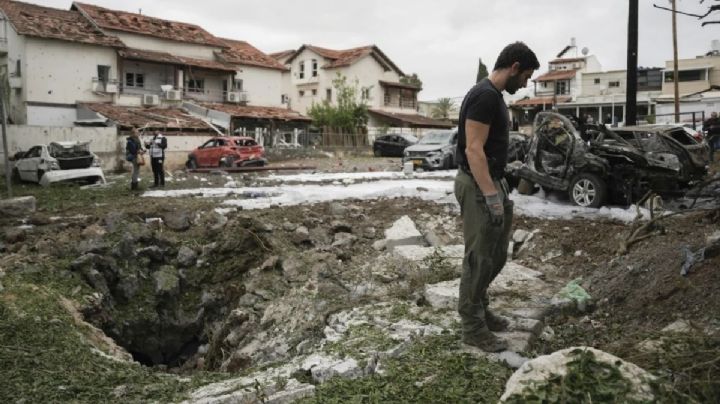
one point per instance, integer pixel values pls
(436, 138)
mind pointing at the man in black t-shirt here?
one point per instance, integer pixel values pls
(483, 137)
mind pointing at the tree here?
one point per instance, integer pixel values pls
(412, 80)
(482, 71)
(710, 10)
(348, 114)
(443, 108)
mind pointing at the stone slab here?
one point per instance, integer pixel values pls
(403, 232)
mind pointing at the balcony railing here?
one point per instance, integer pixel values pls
(401, 103)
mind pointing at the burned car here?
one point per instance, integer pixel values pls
(595, 165)
(58, 161)
(436, 150)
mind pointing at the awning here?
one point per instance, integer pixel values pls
(540, 101)
(410, 120)
(556, 75)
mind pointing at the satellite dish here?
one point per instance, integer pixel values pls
(585, 51)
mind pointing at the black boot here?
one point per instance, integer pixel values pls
(133, 186)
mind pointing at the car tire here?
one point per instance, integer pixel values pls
(587, 190)
(191, 164)
(227, 162)
(40, 174)
(525, 187)
(377, 152)
(447, 163)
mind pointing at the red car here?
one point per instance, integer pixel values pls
(227, 151)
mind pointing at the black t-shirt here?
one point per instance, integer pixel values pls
(485, 104)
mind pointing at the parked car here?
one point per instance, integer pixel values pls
(392, 145)
(436, 150)
(227, 151)
(595, 165)
(58, 161)
(671, 142)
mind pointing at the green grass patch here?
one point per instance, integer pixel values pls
(433, 370)
(361, 340)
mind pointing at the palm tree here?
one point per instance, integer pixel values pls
(443, 108)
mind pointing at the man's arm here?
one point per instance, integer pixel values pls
(476, 134)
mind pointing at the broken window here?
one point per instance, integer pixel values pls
(686, 75)
(196, 85)
(103, 73)
(614, 84)
(134, 80)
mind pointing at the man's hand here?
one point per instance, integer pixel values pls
(497, 211)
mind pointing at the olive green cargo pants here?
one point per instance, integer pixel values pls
(486, 248)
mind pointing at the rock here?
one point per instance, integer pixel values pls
(678, 327)
(547, 334)
(94, 231)
(380, 245)
(713, 238)
(186, 257)
(292, 267)
(443, 295)
(323, 368)
(337, 209)
(178, 221)
(236, 362)
(15, 235)
(340, 227)
(128, 286)
(125, 249)
(289, 227)
(301, 236)
(520, 236)
(551, 255)
(271, 264)
(167, 281)
(535, 374)
(18, 207)
(403, 232)
(154, 253)
(92, 245)
(343, 240)
(219, 221)
(370, 232)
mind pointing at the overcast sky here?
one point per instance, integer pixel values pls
(440, 40)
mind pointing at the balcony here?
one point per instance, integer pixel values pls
(402, 103)
(105, 86)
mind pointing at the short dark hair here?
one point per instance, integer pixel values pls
(517, 52)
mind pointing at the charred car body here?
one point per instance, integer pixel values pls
(58, 161)
(595, 165)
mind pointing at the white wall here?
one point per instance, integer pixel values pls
(369, 72)
(62, 72)
(16, 51)
(590, 88)
(263, 86)
(154, 76)
(61, 116)
(145, 42)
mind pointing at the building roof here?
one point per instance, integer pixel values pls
(410, 120)
(52, 23)
(256, 112)
(146, 25)
(163, 57)
(399, 85)
(556, 75)
(539, 101)
(282, 54)
(346, 57)
(152, 118)
(567, 60)
(242, 53)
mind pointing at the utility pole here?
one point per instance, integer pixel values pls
(632, 56)
(8, 178)
(675, 62)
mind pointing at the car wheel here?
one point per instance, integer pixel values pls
(587, 190)
(377, 153)
(191, 164)
(227, 162)
(447, 163)
(40, 174)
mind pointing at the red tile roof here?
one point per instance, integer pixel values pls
(145, 25)
(162, 57)
(151, 118)
(257, 112)
(52, 23)
(242, 53)
(282, 54)
(343, 58)
(537, 101)
(411, 120)
(556, 75)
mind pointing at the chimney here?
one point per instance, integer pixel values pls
(572, 42)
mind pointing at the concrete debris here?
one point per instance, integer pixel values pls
(18, 207)
(403, 233)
